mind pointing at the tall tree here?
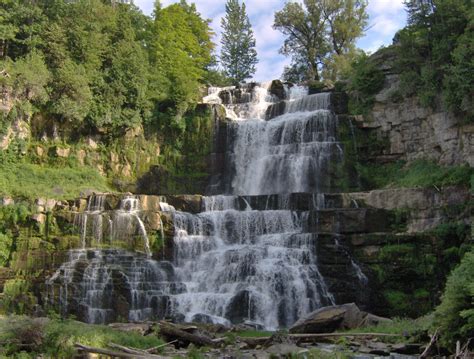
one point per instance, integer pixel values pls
(238, 54)
(317, 31)
(182, 52)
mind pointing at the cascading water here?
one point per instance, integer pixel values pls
(251, 254)
(96, 223)
(240, 264)
(100, 286)
(258, 266)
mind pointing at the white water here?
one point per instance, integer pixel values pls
(232, 263)
(241, 264)
(120, 225)
(92, 280)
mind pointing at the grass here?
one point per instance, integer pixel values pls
(420, 173)
(56, 338)
(31, 181)
(410, 329)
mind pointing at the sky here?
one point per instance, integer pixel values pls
(385, 18)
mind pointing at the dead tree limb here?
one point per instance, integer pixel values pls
(108, 352)
(172, 332)
(431, 344)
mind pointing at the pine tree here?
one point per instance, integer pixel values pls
(238, 54)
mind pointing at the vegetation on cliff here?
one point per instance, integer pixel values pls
(435, 51)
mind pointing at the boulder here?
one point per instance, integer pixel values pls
(328, 319)
(150, 203)
(186, 203)
(278, 89)
(62, 152)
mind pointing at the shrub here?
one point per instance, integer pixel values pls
(17, 297)
(455, 315)
(365, 81)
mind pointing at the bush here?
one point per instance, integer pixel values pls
(17, 297)
(455, 315)
(365, 81)
(55, 338)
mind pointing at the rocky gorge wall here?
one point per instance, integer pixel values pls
(411, 131)
(405, 240)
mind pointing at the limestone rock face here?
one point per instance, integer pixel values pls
(413, 131)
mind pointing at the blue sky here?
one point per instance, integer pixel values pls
(385, 18)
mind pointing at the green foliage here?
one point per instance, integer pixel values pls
(365, 81)
(410, 329)
(5, 248)
(320, 33)
(238, 54)
(435, 52)
(17, 297)
(95, 64)
(30, 77)
(56, 338)
(420, 173)
(34, 181)
(455, 315)
(182, 52)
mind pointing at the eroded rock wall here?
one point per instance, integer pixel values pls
(412, 131)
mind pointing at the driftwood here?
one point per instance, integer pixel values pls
(173, 332)
(263, 341)
(155, 349)
(109, 352)
(431, 344)
(140, 352)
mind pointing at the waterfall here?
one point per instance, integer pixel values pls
(106, 285)
(119, 226)
(233, 263)
(251, 254)
(242, 264)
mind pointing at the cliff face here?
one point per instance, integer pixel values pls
(412, 131)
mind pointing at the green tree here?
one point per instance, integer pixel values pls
(182, 52)
(318, 31)
(238, 54)
(455, 315)
(30, 78)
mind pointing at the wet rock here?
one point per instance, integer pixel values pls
(112, 201)
(150, 203)
(329, 319)
(339, 102)
(240, 307)
(186, 203)
(202, 318)
(372, 319)
(278, 89)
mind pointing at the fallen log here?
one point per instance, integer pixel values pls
(172, 332)
(155, 349)
(108, 352)
(143, 353)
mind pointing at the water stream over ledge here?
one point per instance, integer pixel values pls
(233, 262)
